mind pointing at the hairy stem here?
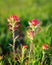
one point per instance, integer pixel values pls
(14, 55)
(31, 46)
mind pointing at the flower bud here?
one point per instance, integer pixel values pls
(25, 47)
(45, 47)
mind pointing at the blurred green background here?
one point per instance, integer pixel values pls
(41, 9)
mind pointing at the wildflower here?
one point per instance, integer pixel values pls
(34, 22)
(45, 47)
(25, 47)
(12, 22)
(15, 18)
(12, 25)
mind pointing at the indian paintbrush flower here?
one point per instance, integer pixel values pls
(13, 22)
(13, 18)
(34, 22)
(12, 25)
(45, 47)
(25, 47)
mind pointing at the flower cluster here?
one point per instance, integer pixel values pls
(45, 47)
(33, 28)
(14, 18)
(13, 22)
(34, 23)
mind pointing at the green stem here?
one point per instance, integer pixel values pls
(43, 58)
(23, 50)
(14, 55)
(29, 59)
(31, 46)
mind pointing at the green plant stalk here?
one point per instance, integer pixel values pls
(43, 58)
(14, 54)
(33, 62)
(31, 49)
(30, 52)
(22, 58)
(29, 59)
(31, 46)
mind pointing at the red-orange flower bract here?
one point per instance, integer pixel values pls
(13, 22)
(13, 18)
(30, 34)
(44, 46)
(25, 47)
(34, 22)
